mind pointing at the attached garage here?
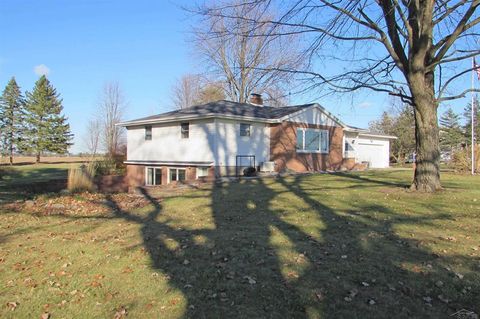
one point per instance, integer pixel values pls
(370, 148)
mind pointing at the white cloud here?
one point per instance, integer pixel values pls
(364, 105)
(41, 69)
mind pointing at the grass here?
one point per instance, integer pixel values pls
(17, 180)
(319, 246)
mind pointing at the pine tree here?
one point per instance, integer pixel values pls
(399, 123)
(451, 134)
(48, 130)
(467, 114)
(12, 112)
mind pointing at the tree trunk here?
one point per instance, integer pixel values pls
(11, 148)
(38, 158)
(427, 168)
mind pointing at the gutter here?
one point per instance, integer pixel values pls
(196, 117)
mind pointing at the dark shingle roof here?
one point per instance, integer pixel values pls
(226, 108)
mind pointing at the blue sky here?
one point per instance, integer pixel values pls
(141, 44)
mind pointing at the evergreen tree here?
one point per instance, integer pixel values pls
(467, 114)
(451, 134)
(399, 123)
(11, 117)
(47, 129)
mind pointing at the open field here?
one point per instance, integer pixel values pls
(19, 180)
(25, 160)
(317, 246)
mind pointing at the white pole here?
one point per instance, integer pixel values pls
(473, 107)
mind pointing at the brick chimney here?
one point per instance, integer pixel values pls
(256, 99)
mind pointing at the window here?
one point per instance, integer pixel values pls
(185, 129)
(244, 129)
(176, 174)
(148, 133)
(348, 147)
(312, 141)
(154, 176)
(202, 172)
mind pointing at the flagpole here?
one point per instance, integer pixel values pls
(472, 118)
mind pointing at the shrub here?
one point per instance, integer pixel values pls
(82, 179)
(462, 161)
(109, 166)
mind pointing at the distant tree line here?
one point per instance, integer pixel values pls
(33, 123)
(454, 133)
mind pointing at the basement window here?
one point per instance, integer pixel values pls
(153, 176)
(202, 172)
(148, 133)
(176, 174)
(185, 129)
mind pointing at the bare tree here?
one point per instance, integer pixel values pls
(111, 108)
(237, 54)
(211, 91)
(414, 50)
(192, 89)
(186, 90)
(92, 137)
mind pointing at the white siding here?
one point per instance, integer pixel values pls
(167, 145)
(375, 150)
(229, 143)
(312, 115)
(216, 141)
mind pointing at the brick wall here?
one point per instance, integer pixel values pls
(135, 176)
(283, 140)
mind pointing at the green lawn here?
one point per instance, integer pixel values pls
(319, 246)
(18, 179)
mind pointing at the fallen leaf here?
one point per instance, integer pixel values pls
(121, 313)
(45, 315)
(250, 280)
(427, 299)
(12, 305)
(127, 270)
(319, 295)
(443, 299)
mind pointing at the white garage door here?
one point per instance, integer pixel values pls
(375, 154)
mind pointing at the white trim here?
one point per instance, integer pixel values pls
(320, 108)
(177, 169)
(240, 129)
(363, 132)
(154, 171)
(304, 129)
(160, 163)
(197, 117)
(202, 167)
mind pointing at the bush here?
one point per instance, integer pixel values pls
(462, 161)
(109, 166)
(82, 178)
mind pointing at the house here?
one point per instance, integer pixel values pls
(221, 138)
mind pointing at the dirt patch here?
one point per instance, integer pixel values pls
(82, 204)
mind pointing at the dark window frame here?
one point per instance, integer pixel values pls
(185, 130)
(177, 174)
(245, 129)
(157, 180)
(148, 132)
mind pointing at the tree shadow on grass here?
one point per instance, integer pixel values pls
(279, 251)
